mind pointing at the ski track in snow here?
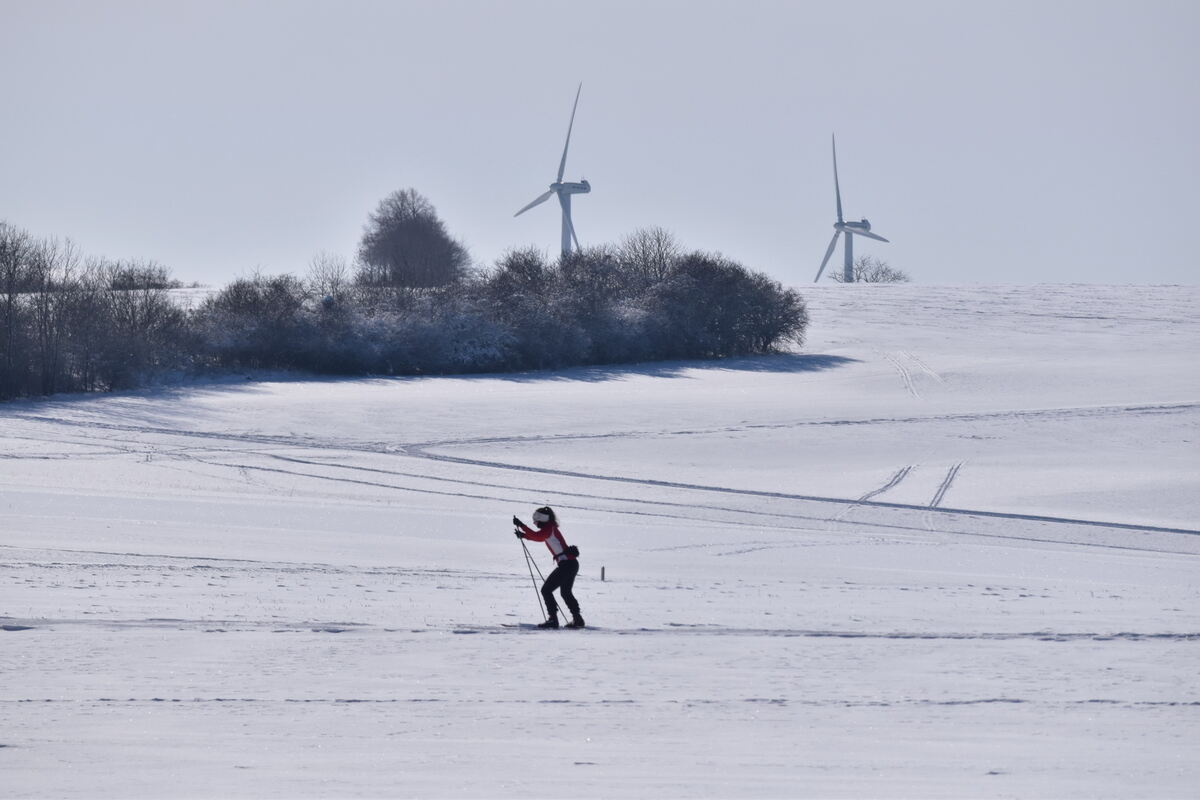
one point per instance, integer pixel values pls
(418, 451)
(900, 475)
(945, 485)
(424, 451)
(925, 368)
(1024, 415)
(217, 626)
(905, 374)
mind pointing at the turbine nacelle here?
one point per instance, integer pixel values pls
(583, 187)
(860, 228)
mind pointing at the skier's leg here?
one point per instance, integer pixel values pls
(552, 582)
(569, 569)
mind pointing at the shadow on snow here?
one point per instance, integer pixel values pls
(252, 381)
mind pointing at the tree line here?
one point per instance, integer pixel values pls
(410, 304)
(70, 323)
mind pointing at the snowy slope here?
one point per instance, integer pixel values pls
(950, 549)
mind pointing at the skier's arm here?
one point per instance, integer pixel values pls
(531, 534)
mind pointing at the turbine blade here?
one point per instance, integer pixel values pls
(870, 235)
(543, 198)
(836, 188)
(562, 165)
(828, 253)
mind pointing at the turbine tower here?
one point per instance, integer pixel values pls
(564, 190)
(851, 229)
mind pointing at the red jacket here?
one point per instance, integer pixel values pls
(553, 538)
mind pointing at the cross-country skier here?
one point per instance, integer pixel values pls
(565, 560)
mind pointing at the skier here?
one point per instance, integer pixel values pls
(565, 560)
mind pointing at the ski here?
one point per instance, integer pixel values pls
(508, 627)
(536, 627)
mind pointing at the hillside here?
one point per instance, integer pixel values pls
(949, 549)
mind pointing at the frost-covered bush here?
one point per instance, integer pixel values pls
(449, 335)
(258, 322)
(526, 313)
(709, 307)
(645, 300)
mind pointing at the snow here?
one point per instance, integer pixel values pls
(950, 549)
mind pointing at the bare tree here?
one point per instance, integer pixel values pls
(91, 323)
(405, 244)
(16, 248)
(328, 276)
(647, 254)
(143, 326)
(53, 268)
(257, 321)
(868, 269)
(590, 280)
(519, 272)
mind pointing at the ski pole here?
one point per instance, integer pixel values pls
(529, 563)
(541, 577)
(533, 561)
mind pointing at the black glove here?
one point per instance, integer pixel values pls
(519, 534)
(516, 522)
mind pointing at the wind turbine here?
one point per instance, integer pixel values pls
(851, 229)
(564, 190)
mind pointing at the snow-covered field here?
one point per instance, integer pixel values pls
(951, 549)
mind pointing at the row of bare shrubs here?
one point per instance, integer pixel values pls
(73, 324)
(69, 323)
(597, 307)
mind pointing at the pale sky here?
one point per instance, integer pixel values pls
(998, 141)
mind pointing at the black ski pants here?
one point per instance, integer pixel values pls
(562, 578)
